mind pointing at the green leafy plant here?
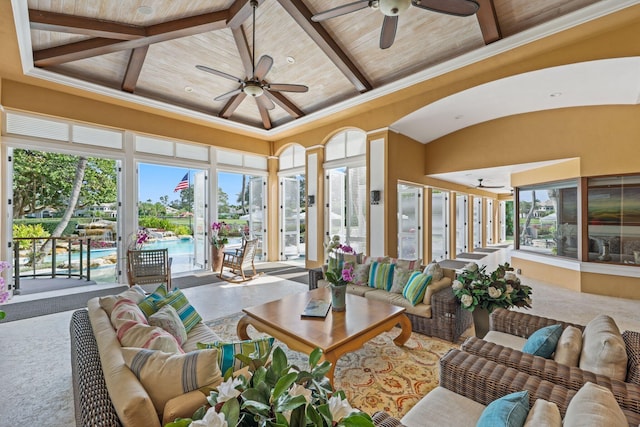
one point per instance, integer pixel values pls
(501, 288)
(28, 230)
(277, 394)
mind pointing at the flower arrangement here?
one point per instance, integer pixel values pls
(338, 274)
(341, 278)
(277, 394)
(498, 289)
(4, 293)
(139, 238)
(219, 233)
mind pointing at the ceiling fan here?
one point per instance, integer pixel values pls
(392, 8)
(255, 86)
(481, 185)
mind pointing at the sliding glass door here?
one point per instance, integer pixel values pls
(409, 222)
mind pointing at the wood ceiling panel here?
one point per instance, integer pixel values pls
(47, 39)
(518, 15)
(107, 70)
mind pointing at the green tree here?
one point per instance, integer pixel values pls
(223, 201)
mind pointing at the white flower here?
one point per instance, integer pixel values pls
(298, 390)
(210, 419)
(510, 275)
(227, 390)
(509, 289)
(339, 408)
(466, 300)
(493, 292)
(475, 283)
(457, 285)
(472, 267)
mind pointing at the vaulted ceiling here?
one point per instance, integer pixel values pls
(150, 48)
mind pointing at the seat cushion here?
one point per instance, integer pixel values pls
(359, 290)
(603, 349)
(505, 340)
(420, 309)
(443, 407)
(436, 286)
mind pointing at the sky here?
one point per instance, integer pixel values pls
(157, 181)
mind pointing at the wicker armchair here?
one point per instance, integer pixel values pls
(149, 266)
(521, 324)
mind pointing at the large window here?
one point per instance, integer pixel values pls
(614, 219)
(292, 214)
(439, 224)
(477, 222)
(548, 218)
(461, 223)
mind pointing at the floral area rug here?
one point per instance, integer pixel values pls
(378, 377)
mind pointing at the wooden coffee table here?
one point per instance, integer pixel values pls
(336, 334)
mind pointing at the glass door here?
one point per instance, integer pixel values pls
(257, 213)
(489, 224)
(409, 221)
(477, 222)
(347, 205)
(337, 179)
(290, 218)
(461, 223)
(200, 244)
(439, 224)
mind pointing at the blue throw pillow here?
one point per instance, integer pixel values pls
(508, 411)
(543, 342)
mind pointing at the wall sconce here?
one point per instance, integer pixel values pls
(311, 200)
(375, 197)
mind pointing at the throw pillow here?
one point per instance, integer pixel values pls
(416, 287)
(133, 334)
(148, 305)
(407, 264)
(361, 274)
(166, 376)
(400, 279)
(381, 275)
(510, 410)
(168, 319)
(434, 270)
(132, 294)
(569, 347)
(371, 259)
(436, 286)
(594, 406)
(543, 413)
(187, 313)
(543, 341)
(227, 351)
(603, 349)
(126, 310)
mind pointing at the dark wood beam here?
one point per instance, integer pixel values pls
(63, 23)
(171, 30)
(264, 115)
(136, 61)
(243, 49)
(285, 103)
(231, 105)
(302, 15)
(488, 21)
(239, 12)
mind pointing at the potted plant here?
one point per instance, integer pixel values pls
(4, 293)
(277, 394)
(219, 238)
(481, 292)
(338, 273)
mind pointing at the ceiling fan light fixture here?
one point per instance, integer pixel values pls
(253, 89)
(394, 7)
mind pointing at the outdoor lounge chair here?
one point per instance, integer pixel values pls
(150, 266)
(240, 259)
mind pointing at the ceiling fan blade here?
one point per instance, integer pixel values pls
(265, 102)
(264, 114)
(340, 10)
(218, 73)
(262, 68)
(283, 87)
(228, 95)
(388, 33)
(450, 7)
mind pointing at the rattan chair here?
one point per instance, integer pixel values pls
(149, 266)
(240, 259)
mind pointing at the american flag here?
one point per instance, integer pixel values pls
(182, 184)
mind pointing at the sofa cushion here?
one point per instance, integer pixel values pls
(435, 270)
(422, 310)
(133, 334)
(381, 275)
(436, 286)
(509, 411)
(603, 349)
(443, 407)
(370, 259)
(135, 294)
(594, 406)
(227, 351)
(569, 347)
(168, 319)
(416, 287)
(187, 313)
(543, 413)
(166, 375)
(400, 279)
(359, 290)
(505, 340)
(148, 305)
(125, 310)
(543, 341)
(407, 264)
(361, 274)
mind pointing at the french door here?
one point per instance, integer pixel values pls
(346, 206)
(290, 218)
(409, 222)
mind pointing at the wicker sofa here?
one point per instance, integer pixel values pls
(447, 320)
(519, 324)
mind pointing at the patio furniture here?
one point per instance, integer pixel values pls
(240, 259)
(149, 266)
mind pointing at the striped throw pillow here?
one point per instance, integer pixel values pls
(132, 334)
(416, 287)
(227, 350)
(381, 275)
(126, 310)
(148, 305)
(179, 301)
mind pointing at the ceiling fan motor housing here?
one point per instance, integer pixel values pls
(394, 7)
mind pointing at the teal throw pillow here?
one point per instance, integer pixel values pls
(508, 411)
(416, 287)
(149, 304)
(381, 275)
(543, 342)
(227, 350)
(186, 312)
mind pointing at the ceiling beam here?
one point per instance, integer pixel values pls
(264, 114)
(231, 105)
(165, 31)
(302, 15)
(488, 21)
(63, 23)
(134, 68)
(285, 103)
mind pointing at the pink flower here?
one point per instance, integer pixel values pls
(347, 274)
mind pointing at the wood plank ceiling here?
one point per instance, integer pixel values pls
(150, 47)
